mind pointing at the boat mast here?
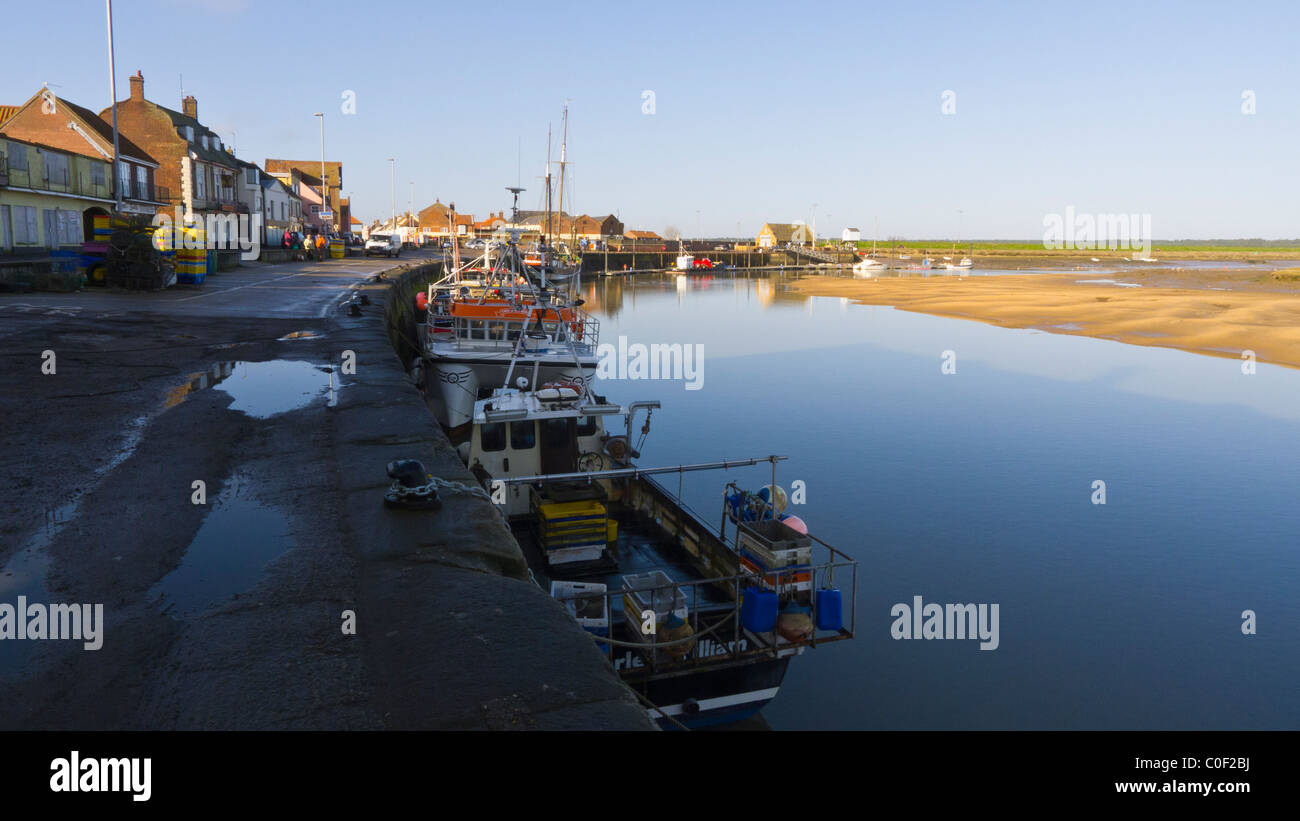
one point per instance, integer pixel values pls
(564, 139)
(546, 236)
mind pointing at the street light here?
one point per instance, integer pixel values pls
(324, 189)
(112, 98)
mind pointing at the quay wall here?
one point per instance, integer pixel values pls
(479, 645)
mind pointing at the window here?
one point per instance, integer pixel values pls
(17, 157)
(315, 209)
(123, 177)
(586, 425)
(141, 183)
(97, 174)
(24, 224)
(492, 436)
(204, 141)
(523, 435)
(189, 133)
(250, 176)
(5, 241)
(67, 227)
(201, 181)
(56, 168)
(283, 215)
(555, 433)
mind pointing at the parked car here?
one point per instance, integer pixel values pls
(386, 244)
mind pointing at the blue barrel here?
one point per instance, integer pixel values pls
(830, 609)
(758, 610)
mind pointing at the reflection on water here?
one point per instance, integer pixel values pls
(977, 487)
(228, 554)
(262, 389)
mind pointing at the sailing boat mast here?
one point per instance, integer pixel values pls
(546, 237)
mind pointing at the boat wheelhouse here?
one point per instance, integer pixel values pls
(700, 620)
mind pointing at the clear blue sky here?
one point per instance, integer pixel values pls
(761, 109)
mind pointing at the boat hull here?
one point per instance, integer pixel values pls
(713, 698)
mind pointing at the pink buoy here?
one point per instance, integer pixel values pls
(795, 523)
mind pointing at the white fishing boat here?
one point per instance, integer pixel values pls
(496, 322)
(701, 619)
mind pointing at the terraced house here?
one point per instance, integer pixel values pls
(56, 161)
(194, 166)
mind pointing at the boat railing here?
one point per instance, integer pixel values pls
(719, 637)
(579, 328)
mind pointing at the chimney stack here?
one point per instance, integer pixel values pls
(190, 106)
(137, 85)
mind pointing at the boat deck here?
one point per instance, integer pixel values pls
(643, 547)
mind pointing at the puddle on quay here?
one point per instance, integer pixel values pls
(236, 541)
(24, 575)
(263, 389)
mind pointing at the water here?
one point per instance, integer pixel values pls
(264, 389)
(976, 487)
(228, 554)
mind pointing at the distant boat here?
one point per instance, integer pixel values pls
(963, 265)
(1094, 259)
(867, 266)
(1144, 259)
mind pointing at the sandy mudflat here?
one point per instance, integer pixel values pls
(1172, 308)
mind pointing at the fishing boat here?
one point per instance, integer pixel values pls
(494, 322)
(701, 621)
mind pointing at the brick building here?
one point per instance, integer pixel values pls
(194, 166)
(333, 198)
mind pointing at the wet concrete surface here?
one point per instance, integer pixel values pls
(229, 614)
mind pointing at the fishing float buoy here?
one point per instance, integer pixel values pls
(779, 502)
(796, 524)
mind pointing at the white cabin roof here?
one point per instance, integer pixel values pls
(509, 404)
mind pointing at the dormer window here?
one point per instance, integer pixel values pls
(205, 141)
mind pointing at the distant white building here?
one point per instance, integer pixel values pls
(851, 235)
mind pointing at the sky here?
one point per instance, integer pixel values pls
(932, 119)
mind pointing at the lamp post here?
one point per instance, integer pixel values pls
(324, 189)
(112, 96)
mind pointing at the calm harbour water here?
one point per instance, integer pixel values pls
(977, 487)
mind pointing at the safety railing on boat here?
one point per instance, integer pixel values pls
(580, 328)
(718, 636)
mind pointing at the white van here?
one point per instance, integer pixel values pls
(386, 244)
